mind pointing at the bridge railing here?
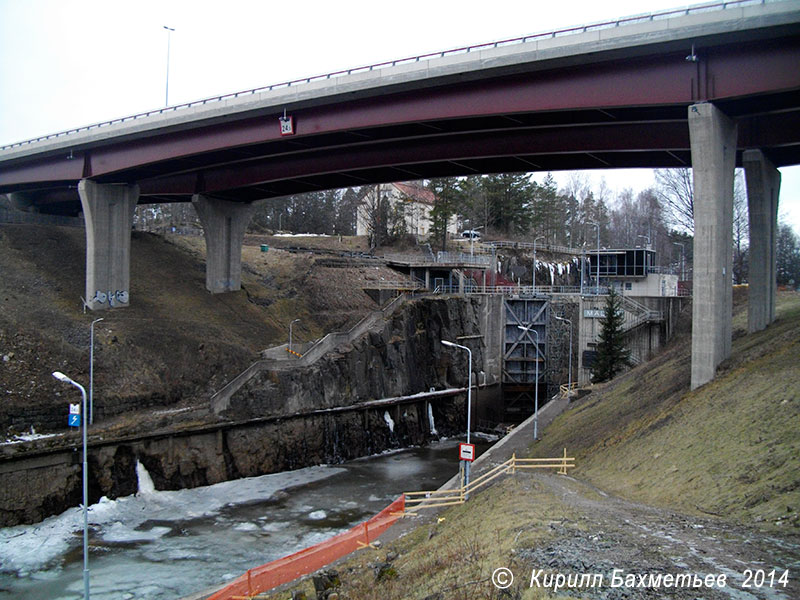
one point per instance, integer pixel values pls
(641, 18)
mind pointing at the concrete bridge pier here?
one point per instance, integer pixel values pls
(224, 224)
(763, 187)
(713, 146)
(108, 215)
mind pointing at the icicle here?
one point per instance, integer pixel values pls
(387, 417)
(145, 482)
(430, 420)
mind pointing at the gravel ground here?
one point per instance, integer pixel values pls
(612, 533)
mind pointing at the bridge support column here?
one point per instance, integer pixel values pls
(763, 188)
(108, 214)
(224, 224)
(713, 145)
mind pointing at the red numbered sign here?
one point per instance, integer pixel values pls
(466, 452)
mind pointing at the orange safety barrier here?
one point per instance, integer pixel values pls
(261, 579)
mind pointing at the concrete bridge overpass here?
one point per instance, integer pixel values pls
(712, 87)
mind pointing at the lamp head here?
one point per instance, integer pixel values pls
(446, 343)
(61, 377)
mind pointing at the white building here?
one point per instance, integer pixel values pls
(413, 201)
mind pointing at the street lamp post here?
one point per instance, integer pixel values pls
(530, 329)
(569, 375)
(534, 262)
(472, 239)
(681, 267)
(91, 372)
(469, 402)
(169, 40)
(61, 377)
(597, 283)
(290, 332)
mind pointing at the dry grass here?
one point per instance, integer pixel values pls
(454, 558)
(175, 343)
(729, 448)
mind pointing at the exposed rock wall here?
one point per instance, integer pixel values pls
(401, 356)
(35, 487)
(283, 420)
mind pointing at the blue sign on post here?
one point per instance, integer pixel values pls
(74, 419)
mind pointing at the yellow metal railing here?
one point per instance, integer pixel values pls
(566, 389)
(440, 498)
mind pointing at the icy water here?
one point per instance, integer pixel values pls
(158, 545)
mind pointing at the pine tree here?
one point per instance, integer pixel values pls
(448, 196)
(612, 355)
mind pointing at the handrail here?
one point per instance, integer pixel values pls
(220, 399)
(450, 497)
(545, 247)
(566, 389)
(717, 5)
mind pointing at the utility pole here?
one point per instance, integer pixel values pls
(169, 39)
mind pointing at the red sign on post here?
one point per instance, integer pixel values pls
(466, 452)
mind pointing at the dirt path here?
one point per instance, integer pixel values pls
(612, 533)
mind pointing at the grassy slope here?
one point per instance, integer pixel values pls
(453, 557)
(729, 448)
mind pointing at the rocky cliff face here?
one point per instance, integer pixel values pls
(281, 420)
(404, 356)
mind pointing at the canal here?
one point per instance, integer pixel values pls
(159, 545)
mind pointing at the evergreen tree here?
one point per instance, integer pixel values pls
(548, 209)
(612, 355)
(448, 196)
(510, 196)
(475, 209)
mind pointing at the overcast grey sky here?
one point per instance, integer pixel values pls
(67, 63)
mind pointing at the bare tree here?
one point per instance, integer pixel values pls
(675, 191)
(741, 230)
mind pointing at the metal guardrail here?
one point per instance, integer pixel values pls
(544, 247)
(514, 290)
(566, 389)
(394, 285)
(635, 19)
(415, 501)
(457, 258)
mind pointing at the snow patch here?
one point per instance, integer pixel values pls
(318, 515)
(301, 235)
(119, 532)
(26, 549)
(29, 437)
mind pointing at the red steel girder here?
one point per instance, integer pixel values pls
(732, 71)
(598, 138)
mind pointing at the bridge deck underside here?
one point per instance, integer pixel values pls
(607, 113)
